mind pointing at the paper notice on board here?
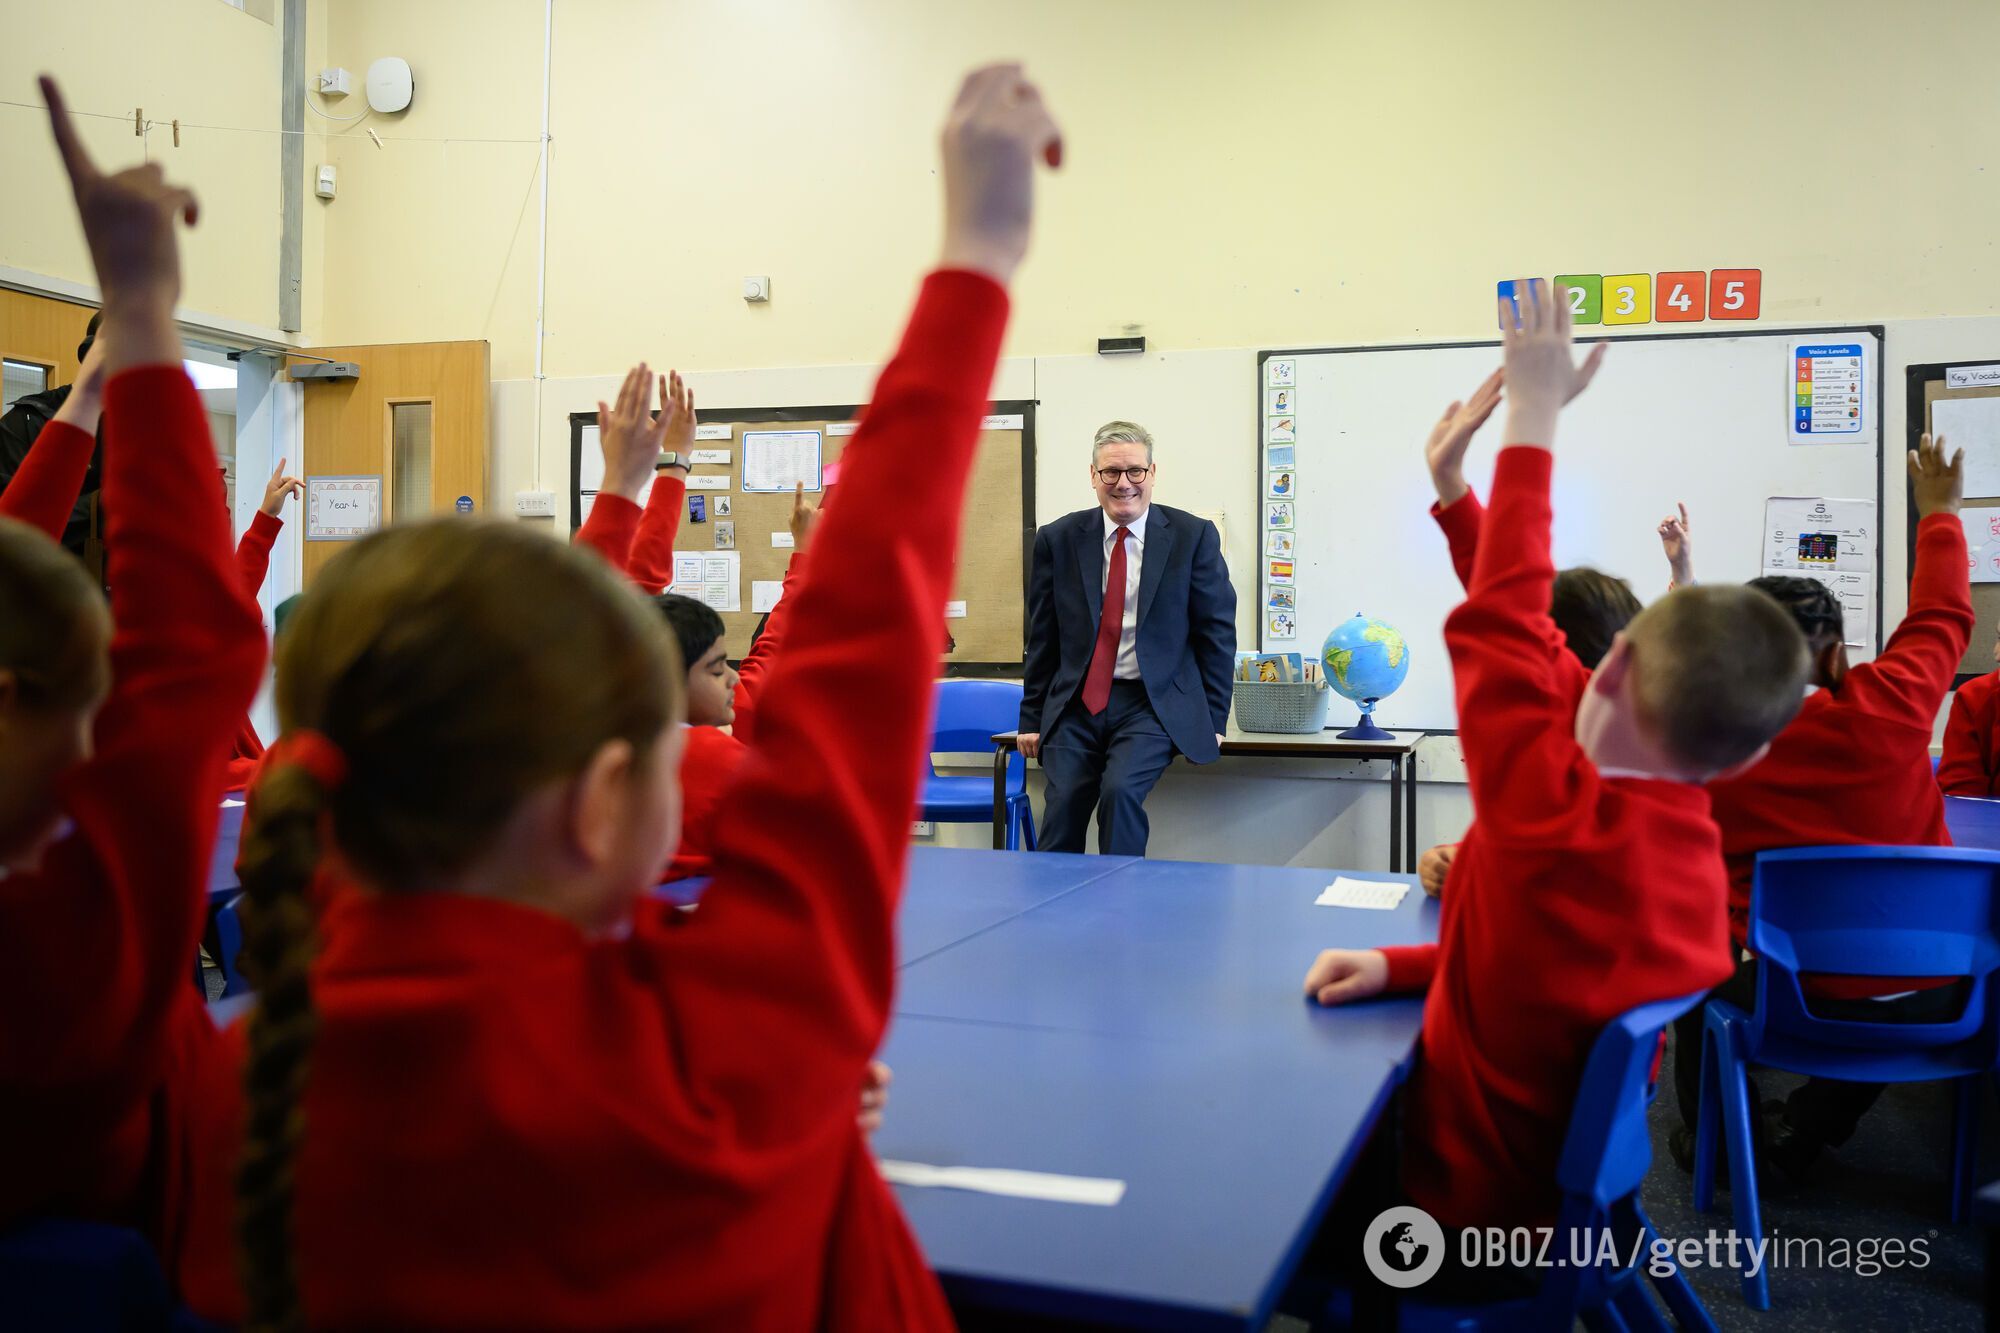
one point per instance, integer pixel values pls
(714, 577)
(1972, 424)
(1808, 534)
(1982, 541)
(765, 594)
(778, 460)
(687, 569)
(1972, 377)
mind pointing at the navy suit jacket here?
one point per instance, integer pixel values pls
(1187, 623)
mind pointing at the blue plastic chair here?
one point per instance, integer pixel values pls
(969, 714)
(57, 1274)
(1604, 1160)
(1852, 911)
(228, 944)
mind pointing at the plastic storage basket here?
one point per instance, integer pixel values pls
(1294, 707)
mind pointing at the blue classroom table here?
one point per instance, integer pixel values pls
(1145, 1025)
(1974, 821)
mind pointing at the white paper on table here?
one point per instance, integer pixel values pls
(230, 803)
(1047, 1186)
(1792, 521)
(1377, 895)
(1856, 591)
(1982, 542)
(1972, 424)
(778, 460)
(765, 594)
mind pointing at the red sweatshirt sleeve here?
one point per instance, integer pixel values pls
(99, 943)
(1516, 697)
(253, 550)
(1460, 521)
(609, 530)
(44, 488)
(652, 561)
(783, 994)
(1960, 772)
(756, 666)
(1411, 966)
(1908, 681)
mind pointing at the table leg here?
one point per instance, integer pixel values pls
(1410, 815)
(1395, 814)
(1000, 799)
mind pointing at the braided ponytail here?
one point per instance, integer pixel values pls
(280, 852)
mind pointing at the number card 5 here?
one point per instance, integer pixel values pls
(1683, 297)
(1735, 293)
(1628, 298)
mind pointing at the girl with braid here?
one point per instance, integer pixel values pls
(497, 1084)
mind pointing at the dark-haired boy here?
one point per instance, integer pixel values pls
(1853, 767)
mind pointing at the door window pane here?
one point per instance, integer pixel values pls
(410, 454)
(18, 379)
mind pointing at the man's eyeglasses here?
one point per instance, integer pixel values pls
(1110, 475)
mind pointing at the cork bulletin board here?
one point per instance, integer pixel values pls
(988, 612)
(1976, 429)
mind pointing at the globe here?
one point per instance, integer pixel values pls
(1365, 661)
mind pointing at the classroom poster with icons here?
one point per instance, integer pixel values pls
(1281, 483)
(1829, 541)
(1828, 393)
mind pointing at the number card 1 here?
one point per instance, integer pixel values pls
(1628, 298)
(1585, 294)
(1683, 297)
(1735, 293)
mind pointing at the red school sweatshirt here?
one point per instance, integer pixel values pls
(513, 1125)
(1971, 763)
(43, 490)
(253, 562)
(1573, 898)
(1855, 765)
(97, 945)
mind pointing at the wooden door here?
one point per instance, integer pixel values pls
(416, 418)
(39, 333)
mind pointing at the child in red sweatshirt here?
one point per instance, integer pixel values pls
(513, 1089)
(1853, 768)
(106, 858)
(1971, 762)
(1592, 879)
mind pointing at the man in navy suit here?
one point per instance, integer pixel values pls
(1131, 649)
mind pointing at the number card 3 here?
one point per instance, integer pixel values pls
(1628, 298)
(1683, 297)
(1735, 293)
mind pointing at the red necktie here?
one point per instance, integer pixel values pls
(1097, 681)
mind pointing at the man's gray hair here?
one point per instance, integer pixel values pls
(1121, 432)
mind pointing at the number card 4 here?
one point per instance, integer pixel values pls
(1683, 297)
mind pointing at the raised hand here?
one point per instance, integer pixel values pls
(996, 130)
(1542, 372)
(677, 417)
(1340, 975)
(805, 517)
(128, 223)
(1936, 485)
(85, 402)
(1674, 540)
(629, 435)
(278, 487)
(1445, 452)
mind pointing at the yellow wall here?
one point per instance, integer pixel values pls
(200, 61)
(1242, 175)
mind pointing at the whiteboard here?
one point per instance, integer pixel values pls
(1702, 419)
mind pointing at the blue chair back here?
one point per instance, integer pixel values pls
(1608, 1149)
(62, 1274)
(969, 714)
(1875, 912)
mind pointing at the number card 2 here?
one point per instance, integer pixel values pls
(1585, 294)
(1628, 298)
(1683, 297)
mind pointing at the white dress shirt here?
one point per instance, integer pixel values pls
(1127, 666)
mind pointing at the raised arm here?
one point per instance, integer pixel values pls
(630, 438)
(1909, 679)
(1677, 544)
(44, 489)
(253, 549)
(1457, 510)
(652, 563)
(1516, 700)
(756, 666)
(789, 981)
(98, 944)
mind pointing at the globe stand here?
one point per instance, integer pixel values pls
(1366, 730)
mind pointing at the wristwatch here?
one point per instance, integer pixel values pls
(668, 458)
